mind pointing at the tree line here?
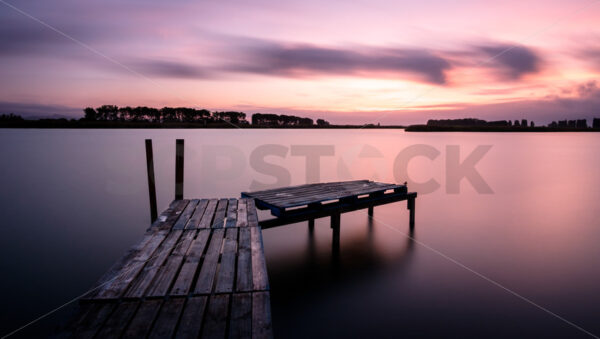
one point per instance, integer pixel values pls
(191, 115)
(262, 119)
(165, 114)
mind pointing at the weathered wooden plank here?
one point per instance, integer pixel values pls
(118, 320)
(260, 280)
(146, 276)
(184, 242)
(261, 316)
(252, 215)
(165, 324)
(192, 318)
(168, 218)
(219, 219)
(322, 189)
(244, 264)
(242, 213)
(186, 215)
(168, 272)
(232, 206)
(240, 321)
(186, 275)
(107, 286)
(111, 274)
(226, 275)
(215, 321)
(141, 323)
(327, 195)
(198, 213)
(206, 278)
(165, 276)
(324, 197)
(209, 213)
(286, 188)
(115, 287)
(319, 188)
(90, 320)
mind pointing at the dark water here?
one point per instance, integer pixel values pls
(523, 261)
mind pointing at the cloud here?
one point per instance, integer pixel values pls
(169, 69)
(25, 39)
(301, 60)
(512, 62)
(591, 56)
(587, 89)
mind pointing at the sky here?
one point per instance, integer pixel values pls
(388, 62)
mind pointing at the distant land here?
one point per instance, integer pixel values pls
(478, 125)
(111, 116)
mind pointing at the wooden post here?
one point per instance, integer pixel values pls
(151, 181)
(411, 206)
(311, 224)
(370, 211)
(335, 225)
(179, 169)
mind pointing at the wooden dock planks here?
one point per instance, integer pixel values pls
(199, 271)
(287, 197)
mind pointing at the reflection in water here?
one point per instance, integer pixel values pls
(325, 267)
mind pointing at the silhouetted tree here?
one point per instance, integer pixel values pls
(233, 117)
(89, 114)
(10, 117)
(107, 112)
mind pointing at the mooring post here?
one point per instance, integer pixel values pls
(370, 211)
(411, 207)
(179, 169)
(151, 182)
(335, 226)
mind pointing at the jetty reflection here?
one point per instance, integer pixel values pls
(323, 267)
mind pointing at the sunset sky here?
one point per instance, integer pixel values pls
(346, 61)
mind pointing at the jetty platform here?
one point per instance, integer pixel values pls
(200, 269)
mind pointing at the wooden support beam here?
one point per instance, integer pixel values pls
(335, 225)
(411, 206)
(370, 211)
(151, 181)
(311, 224)
(179, 169)
(329, 209)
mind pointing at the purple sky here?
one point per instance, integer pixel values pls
(389, 62)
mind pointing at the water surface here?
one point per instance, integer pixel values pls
(72, 201)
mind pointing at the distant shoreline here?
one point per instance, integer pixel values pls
(427, 128)
(81, 124)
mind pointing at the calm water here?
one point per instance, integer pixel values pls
(72, 201)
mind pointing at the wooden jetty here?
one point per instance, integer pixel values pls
(200, 270)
